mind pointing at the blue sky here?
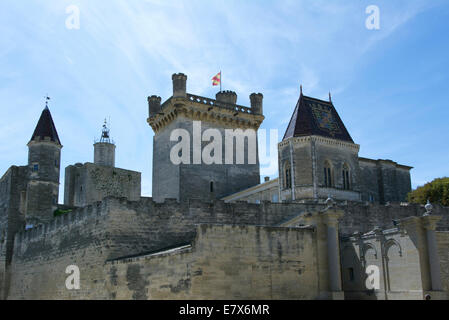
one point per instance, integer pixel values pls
(390, 86)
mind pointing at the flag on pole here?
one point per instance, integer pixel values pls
(216, 80)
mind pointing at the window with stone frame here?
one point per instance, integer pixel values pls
(346, 177)
(328, 177)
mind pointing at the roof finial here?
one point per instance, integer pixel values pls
(47, 98)
(330, 97)
(300, 88)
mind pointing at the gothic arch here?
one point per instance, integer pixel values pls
(287, 174)
(367, 247)
(328, 174)
(391, 243)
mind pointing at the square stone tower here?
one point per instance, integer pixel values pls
(203, 148)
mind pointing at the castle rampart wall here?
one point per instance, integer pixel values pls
(42, 254)
(117, 228)
(224, 262)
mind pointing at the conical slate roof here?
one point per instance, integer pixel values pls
(316, 117)
(45, 128)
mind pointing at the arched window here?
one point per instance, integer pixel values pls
(328, 181)
(346, 177)
(287, 175)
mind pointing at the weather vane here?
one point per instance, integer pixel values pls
(47, 98)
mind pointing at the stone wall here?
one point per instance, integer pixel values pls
(307, 157)
(89, 183)
(384, 180)
(12, 218)
(42, 254)
(443, 253)
(193, 180)
(397, 259)
(121, 229)
(224, 262)
(365, 217)
(114, 228)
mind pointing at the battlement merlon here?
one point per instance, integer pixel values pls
(223, 109)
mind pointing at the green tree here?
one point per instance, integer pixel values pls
(437, 191)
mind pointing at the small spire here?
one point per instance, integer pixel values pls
(330, 97)
(300, 88)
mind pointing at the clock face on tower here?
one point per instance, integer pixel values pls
(324, 118)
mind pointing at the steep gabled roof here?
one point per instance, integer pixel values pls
(45, 128)
(316, 117)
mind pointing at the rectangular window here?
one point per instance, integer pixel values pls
(35, 167)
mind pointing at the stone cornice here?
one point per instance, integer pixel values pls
(238, 117)
(325, 140)
(46, 140)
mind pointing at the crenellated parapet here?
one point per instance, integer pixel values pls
(223, 110)
(63, 222)
(200, 108)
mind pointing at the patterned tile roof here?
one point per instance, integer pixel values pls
(316, 117)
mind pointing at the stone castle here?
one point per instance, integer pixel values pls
(211, 230)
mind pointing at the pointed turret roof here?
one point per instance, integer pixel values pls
(316, 117)
(45, 128)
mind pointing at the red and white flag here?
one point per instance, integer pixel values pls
(216, 80)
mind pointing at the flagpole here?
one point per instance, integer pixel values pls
(221, 77)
